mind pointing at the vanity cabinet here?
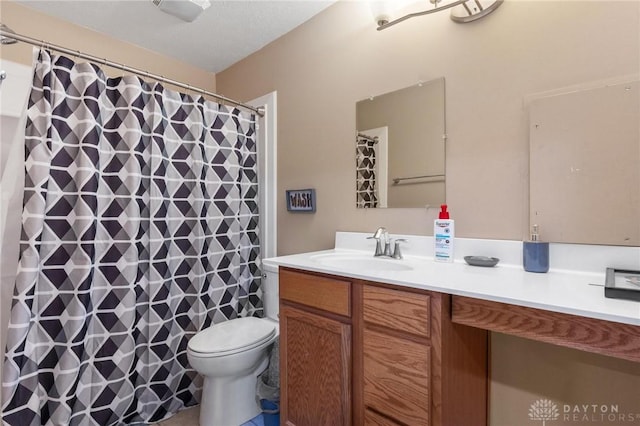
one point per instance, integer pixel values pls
(365, 353)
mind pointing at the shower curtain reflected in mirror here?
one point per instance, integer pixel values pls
(366, 184)
(140, 227)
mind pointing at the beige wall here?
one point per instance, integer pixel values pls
(31, 23)
(524, 371)
(322, 68)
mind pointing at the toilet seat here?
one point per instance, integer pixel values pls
(231, 337)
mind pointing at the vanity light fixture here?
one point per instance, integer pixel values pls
(462, 11)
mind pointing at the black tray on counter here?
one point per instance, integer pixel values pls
(622, 284)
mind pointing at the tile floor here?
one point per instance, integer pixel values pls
(189, 417)
(256, 421)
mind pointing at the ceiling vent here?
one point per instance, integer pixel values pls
(187, 10)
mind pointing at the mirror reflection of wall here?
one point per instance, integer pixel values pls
(585, 165)
(400, 147)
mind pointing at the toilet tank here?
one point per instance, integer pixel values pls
(270, 291)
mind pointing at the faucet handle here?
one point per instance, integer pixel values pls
(396, 249)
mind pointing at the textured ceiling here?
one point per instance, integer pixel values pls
(223, 34)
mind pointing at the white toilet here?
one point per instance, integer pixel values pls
(230, 355)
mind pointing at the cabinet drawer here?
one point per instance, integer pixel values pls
(397, 377)
(328, 294)
(397, 309)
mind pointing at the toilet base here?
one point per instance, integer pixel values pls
(228, 401)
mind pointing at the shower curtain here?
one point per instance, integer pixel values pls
(366, 192)
(139, 228)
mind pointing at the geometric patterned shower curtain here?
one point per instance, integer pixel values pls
(366, 190)
(140, 227)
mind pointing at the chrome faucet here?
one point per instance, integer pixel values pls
(382, 241)
(383, 244)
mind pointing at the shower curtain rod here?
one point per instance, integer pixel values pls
(123, 67)
(368, 138)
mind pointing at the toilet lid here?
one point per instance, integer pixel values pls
(232, 336)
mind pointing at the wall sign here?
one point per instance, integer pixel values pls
(301, 200)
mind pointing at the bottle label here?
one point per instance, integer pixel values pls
(442, 242)
(443, 239)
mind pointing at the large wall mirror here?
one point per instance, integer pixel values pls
(585, 165)
(400, 147)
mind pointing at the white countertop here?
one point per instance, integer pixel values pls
(577, 292)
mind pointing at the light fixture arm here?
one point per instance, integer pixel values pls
(382, 25)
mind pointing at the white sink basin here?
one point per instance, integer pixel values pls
(362, 262)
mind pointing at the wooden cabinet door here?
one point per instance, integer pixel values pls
(315, 369)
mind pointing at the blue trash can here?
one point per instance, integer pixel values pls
(268, 389)
(270, 412)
